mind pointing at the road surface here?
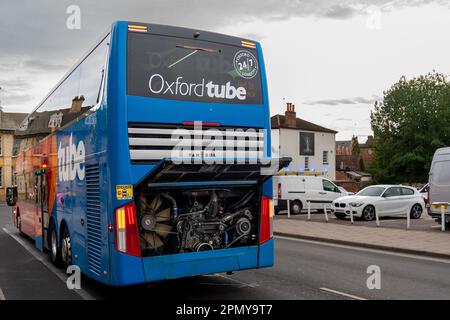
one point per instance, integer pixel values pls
(303, 270)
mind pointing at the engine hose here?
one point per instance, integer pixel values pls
(232, 242)
(174, 205)
(243, 201)
(225, 238)
(213, 204)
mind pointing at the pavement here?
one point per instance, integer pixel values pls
(303, 270)
(431, 242)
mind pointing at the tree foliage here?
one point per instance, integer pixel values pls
(411, 122)
(355, 146)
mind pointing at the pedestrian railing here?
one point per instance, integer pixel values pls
(444, 207)
(326, 207)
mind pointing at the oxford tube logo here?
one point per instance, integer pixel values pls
(71, 158)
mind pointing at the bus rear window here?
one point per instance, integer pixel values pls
(192, 70)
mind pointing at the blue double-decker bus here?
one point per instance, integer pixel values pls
(148, 160)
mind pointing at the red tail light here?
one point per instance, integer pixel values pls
(204, 124)
(126, 233)
(266, 225)
(428, 196)
(279, 191)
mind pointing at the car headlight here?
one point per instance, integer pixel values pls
(356, 204)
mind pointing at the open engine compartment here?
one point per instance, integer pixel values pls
(197, 219)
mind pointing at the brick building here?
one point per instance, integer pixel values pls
(311, 147)
(9, 122)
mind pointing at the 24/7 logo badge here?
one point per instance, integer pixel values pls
(245, 64)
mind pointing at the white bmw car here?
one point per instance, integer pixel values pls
(386, 200)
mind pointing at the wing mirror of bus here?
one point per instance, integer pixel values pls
(11, 196)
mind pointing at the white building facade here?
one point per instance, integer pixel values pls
(311, 147)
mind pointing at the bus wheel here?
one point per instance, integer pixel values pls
(66, 251)
(55, 251)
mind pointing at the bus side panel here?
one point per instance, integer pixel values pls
(82, 192)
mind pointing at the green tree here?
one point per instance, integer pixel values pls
(362, 166)
(355, 146)
(411, 122)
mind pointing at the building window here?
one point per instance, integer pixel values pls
(1, 177)
(14, 180)
(325, 157)
(16, 145)
(307, 144)
(1, 151)
(306, 163)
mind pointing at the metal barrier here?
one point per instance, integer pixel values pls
(309, 209)
(444, 206)
(289, 208)
(325, 211)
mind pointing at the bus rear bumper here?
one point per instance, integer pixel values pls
(173, 266)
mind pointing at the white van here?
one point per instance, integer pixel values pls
(439, 184)
(301, 189)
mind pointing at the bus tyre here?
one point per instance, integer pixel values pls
(296, 207)
(55, 251)
(66, 250)
(416, 211)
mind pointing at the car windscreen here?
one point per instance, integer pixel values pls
(371, 192)
(192, 70)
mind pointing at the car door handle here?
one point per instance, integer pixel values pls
(322, 193)
(82, 222)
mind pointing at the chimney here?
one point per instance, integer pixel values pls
(290, 116)
(370, 140)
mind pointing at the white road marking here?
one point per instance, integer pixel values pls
(356, 248)
(41, 258)
(342, 294)
(2, 295)
(243, 284)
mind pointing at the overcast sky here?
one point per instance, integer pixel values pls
(332, 59)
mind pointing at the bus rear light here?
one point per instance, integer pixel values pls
(204, 124)
(126, 235)
(248, 44)
(137, 28)
(266, 225)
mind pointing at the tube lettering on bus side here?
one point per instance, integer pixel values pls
(71, 161)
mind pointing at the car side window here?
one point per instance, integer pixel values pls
(407, 192)
(392, 192)
(328, 186)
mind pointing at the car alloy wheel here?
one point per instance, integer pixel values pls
(416, 211)
(368, 213)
